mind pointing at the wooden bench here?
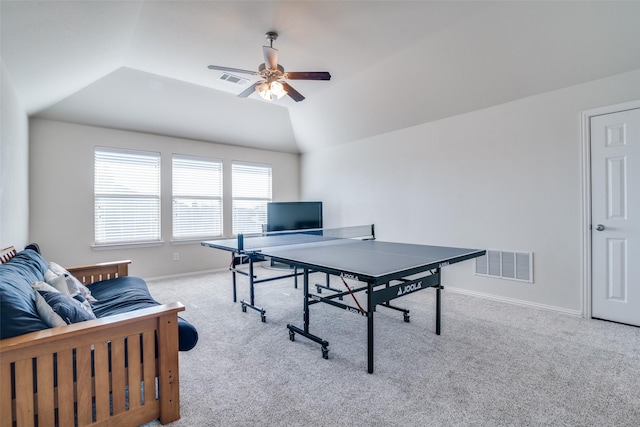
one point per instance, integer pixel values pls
(119, 370)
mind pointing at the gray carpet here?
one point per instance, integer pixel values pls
(495, 364)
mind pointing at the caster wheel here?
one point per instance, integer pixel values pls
(406, 317)
(325, 353)
(263, 318)
(292, 336)
(244, 308)
(318, 289)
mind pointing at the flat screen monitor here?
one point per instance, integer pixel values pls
(293, 215)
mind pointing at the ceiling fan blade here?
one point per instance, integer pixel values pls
(297, 96)
(231, 70)
(248, 91)
(270, 57)
(308, 75)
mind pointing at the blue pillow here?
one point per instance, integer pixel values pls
(66, 307)
(17, 300)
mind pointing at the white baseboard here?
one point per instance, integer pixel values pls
(576, 313)
(192, 273)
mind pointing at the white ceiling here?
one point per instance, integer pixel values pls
(142, 65)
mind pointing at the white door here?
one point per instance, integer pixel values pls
(615, 216)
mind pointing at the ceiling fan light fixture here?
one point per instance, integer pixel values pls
(271, 91)
(272, 84)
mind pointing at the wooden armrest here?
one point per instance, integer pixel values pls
(7, 253)
(92, 328)
(89, 274)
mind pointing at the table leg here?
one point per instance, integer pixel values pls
(251, 302)
(370, 310)
(305, 331)
(438, 303)
(251, 292)
(233, 274)
(306, 299)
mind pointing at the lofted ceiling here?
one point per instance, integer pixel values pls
(142, 65)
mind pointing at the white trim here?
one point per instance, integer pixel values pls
(191, 273)
(576, 313)
(125, 245)
(586, 194)
(196, 273)
(585, 153)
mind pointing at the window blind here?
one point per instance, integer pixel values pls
(251, 191)
(197, 197)
(126, 196)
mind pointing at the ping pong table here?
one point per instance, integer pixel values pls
(384, 270)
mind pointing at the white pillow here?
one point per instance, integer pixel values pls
(46, 287)
(59, 283)
(54, 276)
(46, 313)
(50, 276)
(76, 299)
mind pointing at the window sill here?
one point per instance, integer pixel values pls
(112, 246)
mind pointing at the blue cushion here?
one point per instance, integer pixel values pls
(187, 335)
(129, 293)
(121, 295)
(18, 314)
(66, 307)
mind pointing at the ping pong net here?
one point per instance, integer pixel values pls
(257, 242)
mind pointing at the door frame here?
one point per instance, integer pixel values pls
(586, 194)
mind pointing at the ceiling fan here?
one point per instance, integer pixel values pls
(273, 84)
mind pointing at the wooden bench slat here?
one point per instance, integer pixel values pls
(46, 403)
(24, 393)
(66, 397)
(118, 376)
(101, 370)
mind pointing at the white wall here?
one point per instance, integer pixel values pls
(14, 170)
(61, 195)
(506, 177)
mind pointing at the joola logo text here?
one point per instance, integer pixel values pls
(409, 288)
(350, 276)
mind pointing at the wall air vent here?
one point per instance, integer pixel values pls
(506, 265)
(233, 79)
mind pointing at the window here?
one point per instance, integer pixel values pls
(127, 196)
(197, 197)
(251, 192)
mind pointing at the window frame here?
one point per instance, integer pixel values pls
(219, 197)
(264, 199)
(101, 196)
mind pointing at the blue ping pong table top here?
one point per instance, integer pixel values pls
(368, 259)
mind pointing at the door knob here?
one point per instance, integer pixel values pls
(600, 227)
